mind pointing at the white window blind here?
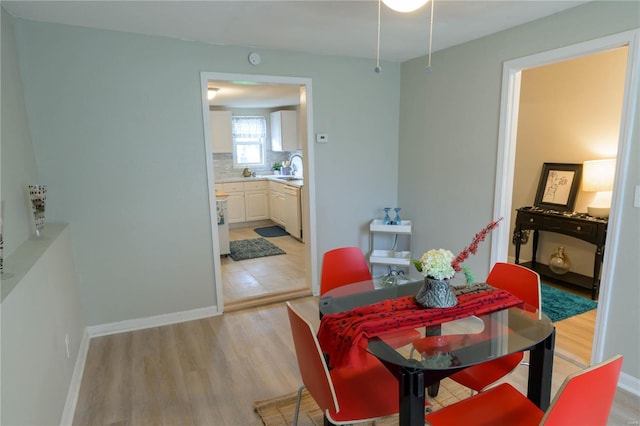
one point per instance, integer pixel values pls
(249, 136)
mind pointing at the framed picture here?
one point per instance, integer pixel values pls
(558, 186)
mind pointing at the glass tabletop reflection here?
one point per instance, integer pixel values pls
(451, 345)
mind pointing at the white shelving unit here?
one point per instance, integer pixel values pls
(398, 255)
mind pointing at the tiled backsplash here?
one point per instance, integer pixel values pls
(223, 165)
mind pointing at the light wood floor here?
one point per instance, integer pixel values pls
(210, 371)
(574, 336)
(252, 281)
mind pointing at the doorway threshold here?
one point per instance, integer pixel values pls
(263, 300)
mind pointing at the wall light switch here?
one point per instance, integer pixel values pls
(322, 137)
(636, 198)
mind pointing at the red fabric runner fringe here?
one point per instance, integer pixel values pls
(344, 336)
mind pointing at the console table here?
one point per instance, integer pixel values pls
(584, 227)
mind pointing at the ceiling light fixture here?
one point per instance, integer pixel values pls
(212, 92)
(404, 6)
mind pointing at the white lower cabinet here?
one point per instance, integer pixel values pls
(262, 199)
(247, 201)
(235, 207)
(256, 200)
(277, 203)
(235, 201)
(292, 219)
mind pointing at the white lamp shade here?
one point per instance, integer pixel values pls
(404, 6)
(597, 175)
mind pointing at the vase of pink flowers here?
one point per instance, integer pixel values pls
(438, 266)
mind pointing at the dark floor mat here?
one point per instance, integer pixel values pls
(250, 249)
(271, 231)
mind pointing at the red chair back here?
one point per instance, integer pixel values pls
(311, 363)
(341, 266)
(586, 397)
(517, 280)
(524, 284)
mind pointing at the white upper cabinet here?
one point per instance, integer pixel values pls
(221, 138)
(284, 131)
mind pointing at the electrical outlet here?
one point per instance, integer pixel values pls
(66, 343)
(636, 198)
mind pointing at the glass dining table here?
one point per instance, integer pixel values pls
(438, 351)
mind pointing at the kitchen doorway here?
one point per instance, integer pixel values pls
(512, 73)
(260, 280)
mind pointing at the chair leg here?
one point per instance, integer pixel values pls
(326, 422)
(298, 399)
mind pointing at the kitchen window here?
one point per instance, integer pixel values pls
(249, 136)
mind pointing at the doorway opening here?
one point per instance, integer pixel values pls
(508, 138)
(247, 178)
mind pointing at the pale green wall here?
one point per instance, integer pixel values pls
(117, 129)
(448, 149)
(40, 301)
(116, 122)
(18, 158)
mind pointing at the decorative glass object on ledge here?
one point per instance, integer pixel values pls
(38, 196)
(397, 220)
(387, 219)
(3, 275)
(559, 262)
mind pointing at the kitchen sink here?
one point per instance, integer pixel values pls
(288, 177)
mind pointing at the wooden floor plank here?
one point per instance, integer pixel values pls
(210, 371)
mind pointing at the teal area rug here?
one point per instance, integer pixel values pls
(250, 249)
(559, 305)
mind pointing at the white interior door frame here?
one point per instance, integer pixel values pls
(507, 147)
(309, 170)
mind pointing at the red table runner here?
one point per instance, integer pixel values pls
(344, 336)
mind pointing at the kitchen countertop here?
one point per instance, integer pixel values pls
(276, 178)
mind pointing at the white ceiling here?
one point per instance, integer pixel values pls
(243, 95)
(342, 28)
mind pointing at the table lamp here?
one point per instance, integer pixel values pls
(597, 176)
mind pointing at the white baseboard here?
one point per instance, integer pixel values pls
(76, 379)
(629, 383)
(149, 322)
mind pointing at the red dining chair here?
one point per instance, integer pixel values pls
(576, 403)
(341, 266)
(517, 280)
(347, 265)
(344, 395)
(525, 285)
